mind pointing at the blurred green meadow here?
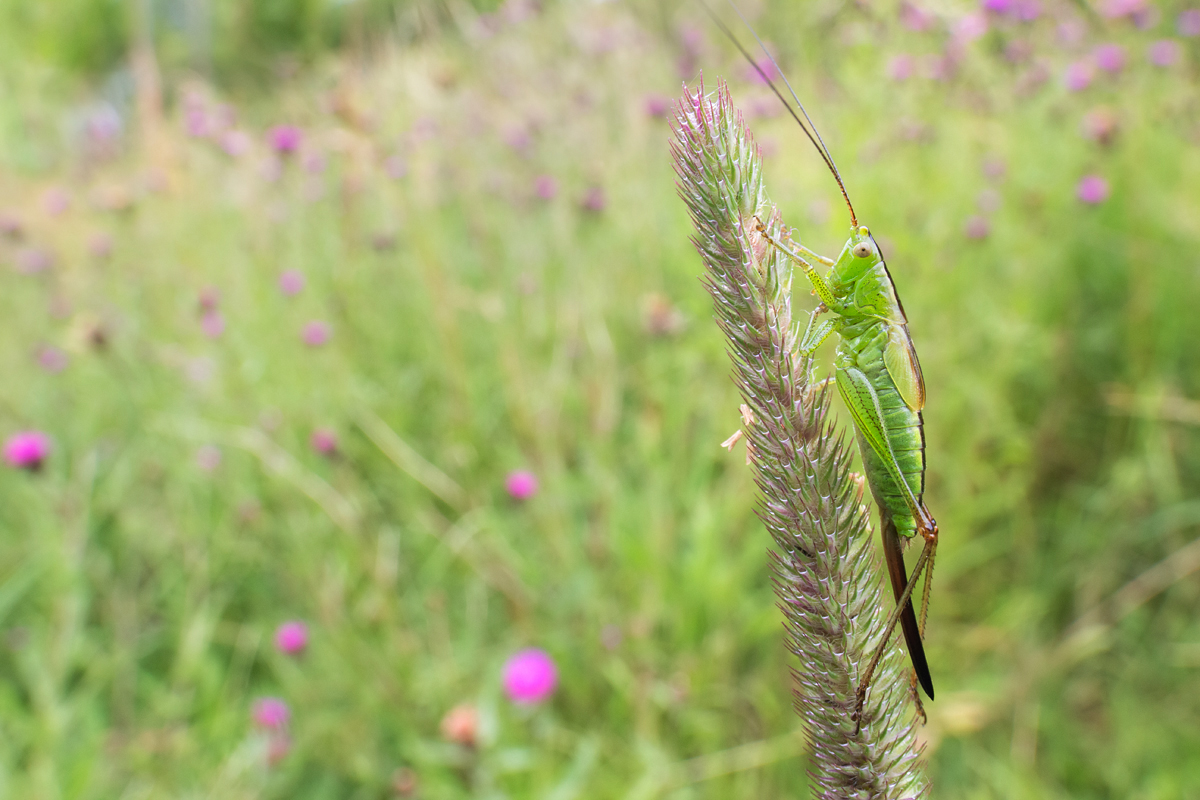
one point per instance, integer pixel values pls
(291, 308)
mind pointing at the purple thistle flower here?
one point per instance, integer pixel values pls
(970, 27)
(270, 713)
(395, 167)
(291, 637)
(212, 323)
(291, 282)
(52, 359)
(977, 228)
(316, 333)
(314, 162)
(1109, 57)
(209, 298)
(10, 225)
(27, 450)
(765, 67)
(998, 6)
(32, 260)
(530, 677)
(324, 441)
(1100, 124)
(655, 105)
(916, 18)
(285, 139)
(1079, 76)
(100, 244)
(195, 122)
(994, 168)
(519, 139)
(1115, 9)
(1071, 32)
(1027, 10)
(545, 187)
(55, 201)
(901, 67)
(208, 457)
(593, 200)
(988, 201)
(521, 484)
(1164, 52)
(1188, 22)
(1092, 189)
(235, 143)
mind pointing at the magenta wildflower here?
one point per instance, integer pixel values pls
(970, 27)
(530, 677)
(1092, 189)
(916, 18)
(324, 441)
(10, 225)
(1164, 52)
(594, 200)
(1100, 124)
(655, 105)
(545, 187)
(395, 167)
(1071, 32)
(461, 725)
(977, 227)
(764, 67)
(998, 6)
(1188, 22)
(1027, 10)
(1109, 57)
(100, 245)
(314, 162)
(519, 139)
(901, 67)
(209, 298)
(235, 143)
(521, 484)
(270, 713)
(195, 122)
(32, 260)
(291, 637)
(212, 323)
(55, 201)
(291, 282)
(27, 450)
(1079, 76)
(988, 201)
(52, 359)
(316, 333)
(208, 457)
(1114, 9)
(285, 139)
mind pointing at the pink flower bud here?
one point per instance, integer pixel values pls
(27, 449)
(270, 713)
(521, 484)
(291, 637)
(530, 677)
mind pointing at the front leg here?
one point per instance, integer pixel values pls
(820, 285)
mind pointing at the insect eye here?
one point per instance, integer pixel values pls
(862, 250)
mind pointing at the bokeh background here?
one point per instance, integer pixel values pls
(354, 348)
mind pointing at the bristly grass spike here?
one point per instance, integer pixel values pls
(879, 378)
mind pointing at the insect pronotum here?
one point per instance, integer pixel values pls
(879, 379)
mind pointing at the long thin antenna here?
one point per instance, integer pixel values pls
(813, 135)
